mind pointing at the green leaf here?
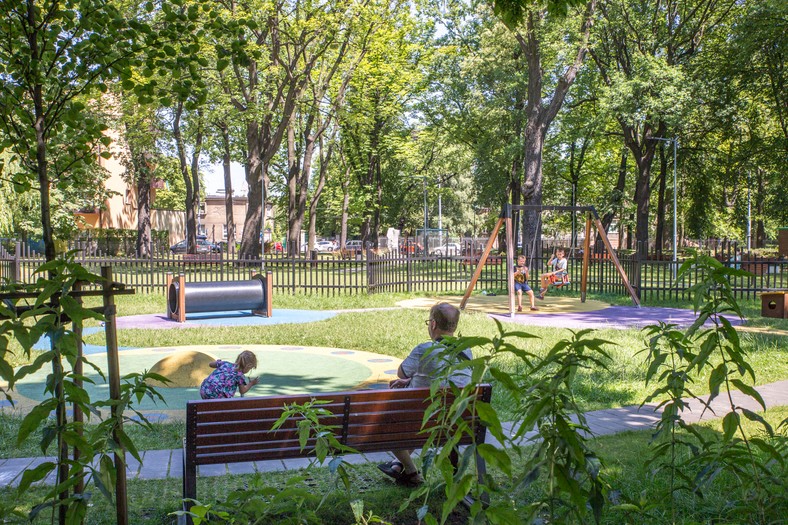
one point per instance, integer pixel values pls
(716, 379)
(490, 418)
(128, 444)
(730, 423)
(456, 493)
(38, 473)
(34, 418)
(496, 457)
(750, 391)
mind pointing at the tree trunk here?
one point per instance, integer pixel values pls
(143, 213)
(250, 238)
(321, 183)
(541, 115)
(760, 230)
(196, 168)
(375, 233)
(293, 225)
(302, 180)
(228, 188)
(345, 206)
(532, 187)
(643, 147)
(191, 223)
(616, 200)
(42, 167)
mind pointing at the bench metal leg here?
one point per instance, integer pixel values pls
(189, 483)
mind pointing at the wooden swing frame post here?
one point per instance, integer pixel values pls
(592, 217)
(482, 260)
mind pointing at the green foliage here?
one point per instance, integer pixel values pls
(323, 440)
(357, 506)
(20, 210)
(675, 360)
(173, 196)
(542, 393)
(60, 55)
(258, 503)
(513, 12)
(54, 304)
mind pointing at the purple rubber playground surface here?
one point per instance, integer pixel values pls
(616, 317)
(228, 318)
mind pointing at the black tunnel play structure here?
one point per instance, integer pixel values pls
(253, 294)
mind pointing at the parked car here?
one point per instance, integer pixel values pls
(320, 246)
(203, 246)
(354, 245)
(451, 248)
(324, 246)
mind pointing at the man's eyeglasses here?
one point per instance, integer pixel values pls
(428, 321)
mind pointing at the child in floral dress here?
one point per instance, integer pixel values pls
(228, 377)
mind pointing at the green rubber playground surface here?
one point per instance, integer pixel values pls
(281, 369)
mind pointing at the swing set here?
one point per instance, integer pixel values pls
(592, 218)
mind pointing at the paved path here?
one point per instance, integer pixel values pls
(160, 464)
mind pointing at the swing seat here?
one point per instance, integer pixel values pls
(559, 282)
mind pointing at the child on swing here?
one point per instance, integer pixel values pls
(558, 263)
(521, 284)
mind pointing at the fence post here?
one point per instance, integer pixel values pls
(151, 275)
(17, 264)
(637, 268)
(370, 273)
(408, 269)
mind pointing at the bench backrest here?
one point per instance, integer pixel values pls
(239, 429)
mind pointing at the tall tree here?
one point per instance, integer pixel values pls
(271, 48)
(546, 90)
(373, 122)
(644, 53)
(55, 56)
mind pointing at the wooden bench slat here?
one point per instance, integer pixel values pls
(227, 416)
(265, 424)
(252, 437)
(358, 396)
(369, 423)
(293, 450)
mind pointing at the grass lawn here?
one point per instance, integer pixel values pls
(394, 332)
(622, 455)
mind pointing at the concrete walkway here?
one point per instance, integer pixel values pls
(160, 464)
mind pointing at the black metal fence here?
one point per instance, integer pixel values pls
(651, 275)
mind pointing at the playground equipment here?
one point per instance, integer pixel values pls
(254, 294)
(506, 218)
(775, 304)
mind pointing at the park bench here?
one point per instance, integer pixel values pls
(238, 430)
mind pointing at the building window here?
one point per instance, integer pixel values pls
(224, 232)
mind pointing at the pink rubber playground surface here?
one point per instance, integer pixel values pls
(615, 317)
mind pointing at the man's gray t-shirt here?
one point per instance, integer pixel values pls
(426, 361)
